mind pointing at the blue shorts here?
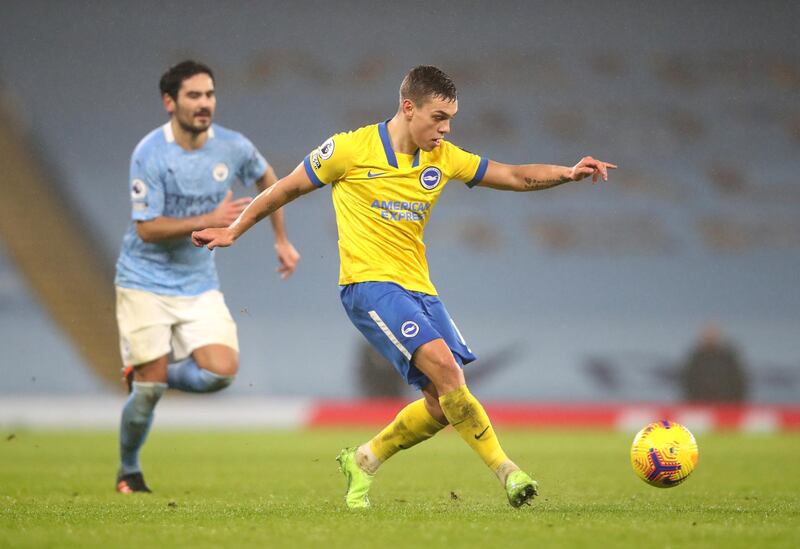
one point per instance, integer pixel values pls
(397, 322)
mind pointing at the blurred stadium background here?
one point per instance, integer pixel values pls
(581, 300)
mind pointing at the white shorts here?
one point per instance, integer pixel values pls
(152, 325)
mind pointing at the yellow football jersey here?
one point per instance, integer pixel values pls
(383, 201)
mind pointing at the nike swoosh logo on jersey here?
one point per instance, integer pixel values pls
(478, 437)
(370, 174)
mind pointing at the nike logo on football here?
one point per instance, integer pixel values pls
(370, 174)
(478, 436)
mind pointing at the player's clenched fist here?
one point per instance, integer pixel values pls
(213, 238)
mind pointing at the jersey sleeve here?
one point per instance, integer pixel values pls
(330, 161)
(465, 166)
(253, 165)
(146, 187)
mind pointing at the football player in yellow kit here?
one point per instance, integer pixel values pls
(386, 179)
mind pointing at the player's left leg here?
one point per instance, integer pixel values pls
(205, 345)
(462, 410)
(412, 425)
(470, 420)
(210, 368)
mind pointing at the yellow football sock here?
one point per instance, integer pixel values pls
(468, 417)
(411, 426)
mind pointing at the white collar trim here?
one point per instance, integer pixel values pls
(169, 135)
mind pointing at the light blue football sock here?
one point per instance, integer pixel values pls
(137, 416)
(189, 377)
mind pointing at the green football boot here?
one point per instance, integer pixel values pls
(358, 480)
(521, 488)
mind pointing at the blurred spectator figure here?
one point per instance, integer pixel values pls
(713, 371)
(376, 375)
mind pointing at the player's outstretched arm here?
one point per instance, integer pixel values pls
(288, 257)
(292, 186)
(537, 177)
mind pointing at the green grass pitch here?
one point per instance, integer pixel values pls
(282, 489)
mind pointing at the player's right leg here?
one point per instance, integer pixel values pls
(379, 310)
(148, 386)
(145, 331)
(412, 425)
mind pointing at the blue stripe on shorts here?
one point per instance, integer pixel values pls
(397, 322)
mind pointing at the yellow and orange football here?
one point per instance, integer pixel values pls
(664, 454)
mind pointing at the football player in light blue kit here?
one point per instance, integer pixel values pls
(175, 329)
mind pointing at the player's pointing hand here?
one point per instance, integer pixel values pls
(590, 166)
(213, 238)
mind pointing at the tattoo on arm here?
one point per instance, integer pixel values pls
(539, 184)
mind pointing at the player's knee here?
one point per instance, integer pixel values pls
(152, 372)
(449, 376)
(227, 367)
(232, 368)
(437, 362)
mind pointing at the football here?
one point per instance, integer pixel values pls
(664, 454)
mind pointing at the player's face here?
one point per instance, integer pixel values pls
(194, 109)
(430, 122)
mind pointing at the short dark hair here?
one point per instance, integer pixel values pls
(172, 79)
(426, 81)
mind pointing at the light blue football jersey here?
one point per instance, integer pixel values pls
(167, 180)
